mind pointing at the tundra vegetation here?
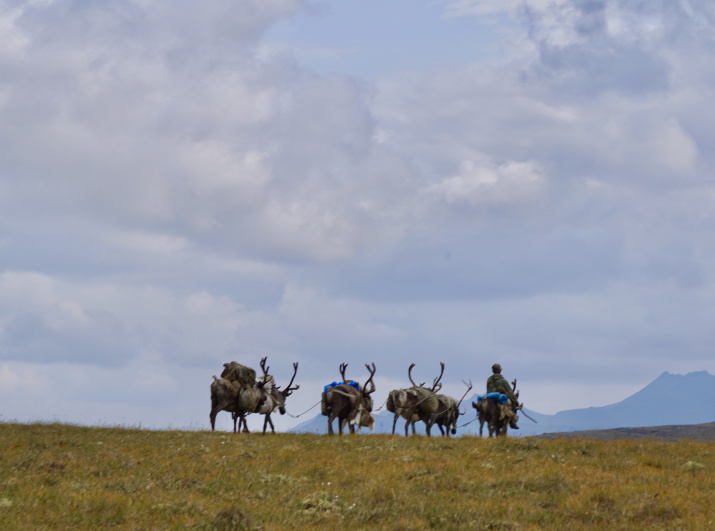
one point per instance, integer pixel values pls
(68, 477)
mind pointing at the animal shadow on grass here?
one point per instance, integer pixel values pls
(233, 518)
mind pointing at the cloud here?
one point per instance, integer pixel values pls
(509, 182)
(463, 8)
(172, 196)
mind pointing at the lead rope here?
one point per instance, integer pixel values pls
(304, 412)
(468, 423)
(383, 404)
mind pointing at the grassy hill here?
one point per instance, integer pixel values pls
(61, 477)
(695, 432)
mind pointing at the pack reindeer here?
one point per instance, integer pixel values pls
(224, 397)
(497, 416)
(237, 397)
(416, 403)
(275, 398)
(349, 404)
(448, 414)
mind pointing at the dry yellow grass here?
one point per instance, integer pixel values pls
(60, 477)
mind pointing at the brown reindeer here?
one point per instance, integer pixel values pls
(416, 403)
(349, 404)
(448, 413)
(498, 417)
(224, 397)
(225, 390)
(489, 412)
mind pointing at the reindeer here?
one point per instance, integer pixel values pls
(498, 417)
(349, 404)
(224, 397)
(237, 398)
(490, 412)
(275, 398)
(448, 414)
(225, 390)
(252, 398)
(415, 403)
(261, 397)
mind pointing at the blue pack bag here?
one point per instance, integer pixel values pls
(351, 384)
(494, 397)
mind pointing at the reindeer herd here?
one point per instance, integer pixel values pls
(240, 393)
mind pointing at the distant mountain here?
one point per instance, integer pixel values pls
(670, 399)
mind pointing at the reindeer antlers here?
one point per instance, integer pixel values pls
(369, 380)
(513, 386)
(409, 375)
(289, 389)
(469, 388)
(263, 366)
(436, 381)
(435, 385)
(343, 366)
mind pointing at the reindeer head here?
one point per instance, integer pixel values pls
(452, 422)
(362, 413)
(279, 396)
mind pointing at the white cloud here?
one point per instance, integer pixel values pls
(484, 184)
(462, 8)
(173, 196)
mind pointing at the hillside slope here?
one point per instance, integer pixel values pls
(694, 432)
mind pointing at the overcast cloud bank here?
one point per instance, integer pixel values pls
(177, 191)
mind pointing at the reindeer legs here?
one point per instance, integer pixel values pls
(267, 421)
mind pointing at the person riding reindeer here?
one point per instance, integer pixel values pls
(496, 383)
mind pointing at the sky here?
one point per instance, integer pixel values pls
(182, 184)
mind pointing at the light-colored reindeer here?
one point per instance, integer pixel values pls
(415, 403)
